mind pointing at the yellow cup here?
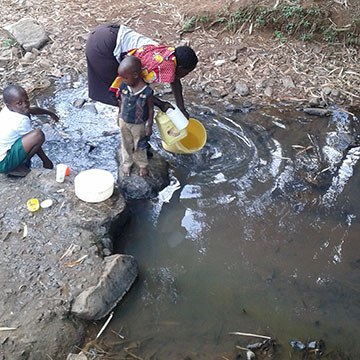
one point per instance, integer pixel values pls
(33, 205)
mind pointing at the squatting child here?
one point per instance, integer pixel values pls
(19, 142)
(135, 116)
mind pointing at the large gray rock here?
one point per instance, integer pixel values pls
(97, 301)
(28, 33)
(137, 187)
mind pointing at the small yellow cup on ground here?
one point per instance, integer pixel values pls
(33, 205)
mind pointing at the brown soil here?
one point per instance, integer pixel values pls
(329, 72)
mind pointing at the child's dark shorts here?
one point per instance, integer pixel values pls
(14, 157)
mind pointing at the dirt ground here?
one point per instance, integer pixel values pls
(286, 69)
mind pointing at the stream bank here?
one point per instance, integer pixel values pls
(49, 257)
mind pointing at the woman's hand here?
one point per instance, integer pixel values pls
(166, 106)
(186, 114)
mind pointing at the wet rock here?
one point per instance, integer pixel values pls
(97, 301)
(247, 104)
(287, 82)
(242, 89)
(91, 108)
(28, 33)
(295, 344)
(317, 111)
(231, 108)
(137, 187)
(78, 103)
(110, 133)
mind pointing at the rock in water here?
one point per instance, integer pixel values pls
(97, 301)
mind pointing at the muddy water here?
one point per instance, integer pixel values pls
(253, 234)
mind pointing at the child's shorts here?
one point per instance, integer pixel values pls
(14, 157)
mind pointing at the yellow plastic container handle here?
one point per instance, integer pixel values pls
(33, 205)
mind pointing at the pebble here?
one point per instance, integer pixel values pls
(314, 101)
(78, 103)
(219, 62)
(91, 108)
(288, 82)
(242, 89)
(327, 90)
(28, 57)
(268, 91)
(317, 111)
(335, 93)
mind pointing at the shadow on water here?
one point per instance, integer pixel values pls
(257, 232)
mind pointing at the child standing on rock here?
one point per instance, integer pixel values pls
(19, 142)
(136, 114)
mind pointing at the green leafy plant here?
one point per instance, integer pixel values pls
(278, 34)
(189, 23)
(329, 34)
(204, 19)
(8, 42)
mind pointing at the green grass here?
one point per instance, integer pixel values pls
(290, 20)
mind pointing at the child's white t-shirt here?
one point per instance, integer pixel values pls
(12, 127)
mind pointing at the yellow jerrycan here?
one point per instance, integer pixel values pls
(168, 131)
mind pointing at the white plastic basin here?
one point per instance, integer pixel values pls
(94, 185)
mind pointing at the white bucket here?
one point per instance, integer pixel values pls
(177, 118)
(94, 185)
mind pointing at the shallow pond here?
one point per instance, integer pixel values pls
(258, 231)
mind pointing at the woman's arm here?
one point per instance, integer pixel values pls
(162, 105)
(176, 88)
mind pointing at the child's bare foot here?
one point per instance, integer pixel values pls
(126, 171)
(143, 172)
(47, 164)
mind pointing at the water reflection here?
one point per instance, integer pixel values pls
(263, 234)
(257, 232)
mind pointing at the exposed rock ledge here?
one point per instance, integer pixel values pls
(51, 257)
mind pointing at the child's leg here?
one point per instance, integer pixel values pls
(32, 143)
(140, 157)
(127, 146)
